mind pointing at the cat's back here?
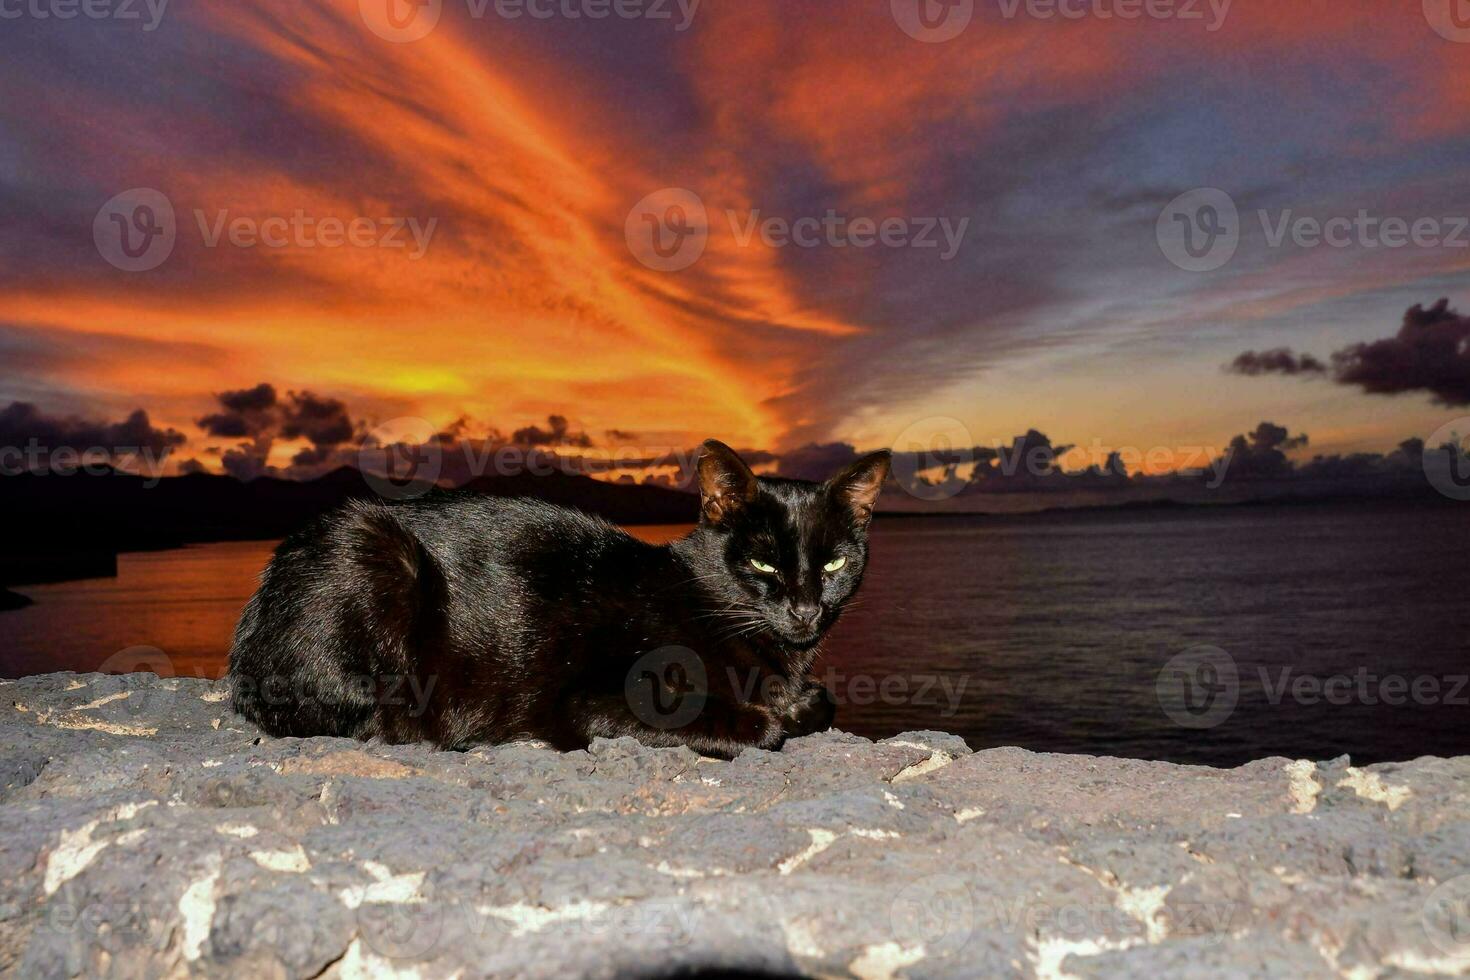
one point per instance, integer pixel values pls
(458, 526)
(456, 537)
(503, 551)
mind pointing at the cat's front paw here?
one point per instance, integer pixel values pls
(812, 712)
(761, 727)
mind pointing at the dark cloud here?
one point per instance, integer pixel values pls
(225, 426)
(23, 424)
(313, 456)
(1431, 352)
(1270, 436)
(324, 422)
(258, 412)
(260, 416)
(558, 434)
(629, 460)
(1030, 463)
(1279, 360)
(465, 450)
(932, 468)
(249, 400)
(249, 412)
(1025, 475)
(1255, 465)
(460, 429)
(248, 461)
(816, 461)
(1028, 474)
(1261, 453)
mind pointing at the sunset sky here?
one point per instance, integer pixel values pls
(527, 143)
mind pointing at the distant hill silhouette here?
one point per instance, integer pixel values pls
(71, 526)
(62, 527)
(11, 600)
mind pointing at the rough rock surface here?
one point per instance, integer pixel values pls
(147, 831)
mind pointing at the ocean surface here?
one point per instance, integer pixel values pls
(1196, 636)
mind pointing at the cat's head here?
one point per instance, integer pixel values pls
(787, 554)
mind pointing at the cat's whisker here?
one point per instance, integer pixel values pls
(740, 627)
(696, 577)
(741, 622)
(688, 581)
(729, 609)
(727, 614)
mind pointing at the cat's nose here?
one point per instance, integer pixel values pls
(805, 613)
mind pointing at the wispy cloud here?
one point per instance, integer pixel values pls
(525, 146)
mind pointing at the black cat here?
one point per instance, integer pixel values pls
(461, 618)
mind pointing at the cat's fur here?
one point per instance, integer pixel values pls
(461, 618)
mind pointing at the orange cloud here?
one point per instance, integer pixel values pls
(527, 301)
(526, 294)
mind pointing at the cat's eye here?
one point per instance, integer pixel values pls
(761, 566)
(834, 564)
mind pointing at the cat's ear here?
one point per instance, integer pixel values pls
(725, 483)
(857, 487)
